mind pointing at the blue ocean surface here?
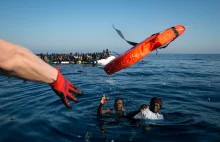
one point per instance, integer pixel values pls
(188, 84)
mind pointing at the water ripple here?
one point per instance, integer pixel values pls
(188, 84)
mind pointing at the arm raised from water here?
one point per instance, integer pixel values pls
(100, 109)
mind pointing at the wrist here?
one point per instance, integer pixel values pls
(55, 76)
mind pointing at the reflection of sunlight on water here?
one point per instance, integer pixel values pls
(110, 81)
(88, 135)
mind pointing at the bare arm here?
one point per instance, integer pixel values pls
(100, 108)
(19, 62)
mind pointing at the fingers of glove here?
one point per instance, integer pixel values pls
(72, 97)
(73, 86)
(75, 91)
(65, 101)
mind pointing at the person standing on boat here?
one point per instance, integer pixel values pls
(107, 53)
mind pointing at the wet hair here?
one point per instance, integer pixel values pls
(119, 99)
(156, 100)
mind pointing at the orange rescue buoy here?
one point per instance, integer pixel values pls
(139, 51)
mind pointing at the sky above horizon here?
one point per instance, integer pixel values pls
(86, 25)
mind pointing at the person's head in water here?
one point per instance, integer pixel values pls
(119, 104)
(155, 104)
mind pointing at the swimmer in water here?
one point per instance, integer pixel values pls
(146, 112)
(118, 105)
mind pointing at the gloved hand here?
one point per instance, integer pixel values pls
(64, 89)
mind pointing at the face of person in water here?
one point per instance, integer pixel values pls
(155, 107)
(119, 104)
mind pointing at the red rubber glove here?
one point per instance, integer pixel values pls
(64, 89)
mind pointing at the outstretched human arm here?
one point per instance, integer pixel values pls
(100, 108)
(19, 62)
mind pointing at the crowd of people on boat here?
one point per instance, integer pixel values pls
(76, 58)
